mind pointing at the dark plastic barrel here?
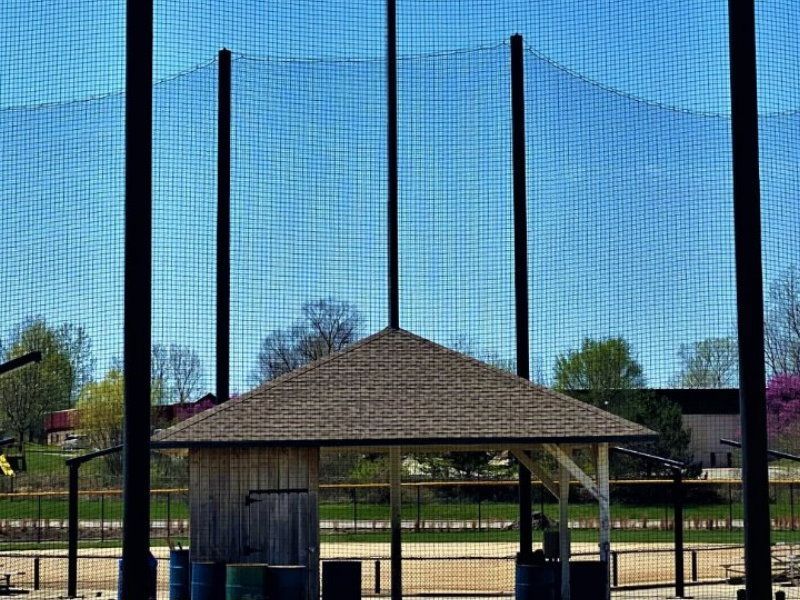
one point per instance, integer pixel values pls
(287, 582)
(151, 583)
(208, 581)
(246, 582)
(180, 581)
(535, 582)
(341, 580)
(588, 579)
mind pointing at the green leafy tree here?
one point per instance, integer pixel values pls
(28, 393)
(709, 363)
(100, 409)
(604, 370)
(605, 373)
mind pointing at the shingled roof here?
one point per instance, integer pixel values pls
(395, 387)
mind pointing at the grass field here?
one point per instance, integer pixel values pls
(110, 506)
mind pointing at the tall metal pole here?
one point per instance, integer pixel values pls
(72, 533)
(138, 211)
(391, 159)
(223, 226)
(677, 517)
(521, 271)
(749, 296)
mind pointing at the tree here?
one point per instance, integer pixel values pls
(710, 363)
(330, 326)
(605, 369)
(605, 374)
(100, 409)
(327, 326)
(78, 346)
(279, 354)
(159, 372)
(662, 416)
(782, 325)
(783, 405)
(28, 393)
(184, 371)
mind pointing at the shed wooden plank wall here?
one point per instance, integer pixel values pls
(277, 528)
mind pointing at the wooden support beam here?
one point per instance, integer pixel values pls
(564, 460)
(605, 511)
(563, 530)
(547, 481)
(395, 489)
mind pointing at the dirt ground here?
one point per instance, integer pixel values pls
(429, 568)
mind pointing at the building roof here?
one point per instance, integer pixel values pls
(695, 401)
(393, 388)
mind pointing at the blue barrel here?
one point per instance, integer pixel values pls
(150, 588)
(180, 582)
(208, 580)
(535, 582)
(287, 582)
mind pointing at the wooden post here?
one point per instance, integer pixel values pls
(605, 508)
(395, 464)
(563, 529)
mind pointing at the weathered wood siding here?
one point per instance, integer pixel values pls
(278, 527)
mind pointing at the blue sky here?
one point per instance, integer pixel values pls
(630, 220)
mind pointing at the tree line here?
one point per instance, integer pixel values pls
(605, 371)
(65, 378)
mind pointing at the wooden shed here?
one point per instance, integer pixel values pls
(254, 461)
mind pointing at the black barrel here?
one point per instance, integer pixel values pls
(535, 582)
(150, 585)
(341, 580)
(588, 579)
(208, 581)
(179, 578)
(287, 582)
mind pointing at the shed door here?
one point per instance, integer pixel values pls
(278, 526)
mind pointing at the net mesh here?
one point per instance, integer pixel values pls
(631, 276)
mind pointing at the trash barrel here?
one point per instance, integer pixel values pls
(151, 583)
(180, 581)
(341, 580)
(247, 581)
(588, 579)
(534, 582)
(287, 582)
(208, 580)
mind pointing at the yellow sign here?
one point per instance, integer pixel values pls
(5, 467)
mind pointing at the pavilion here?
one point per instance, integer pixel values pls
(254, 461)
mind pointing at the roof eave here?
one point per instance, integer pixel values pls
(478, 443)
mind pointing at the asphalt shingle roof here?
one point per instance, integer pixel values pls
(395, 387)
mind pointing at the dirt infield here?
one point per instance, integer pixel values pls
(428, 568)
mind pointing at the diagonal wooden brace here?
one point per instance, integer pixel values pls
(547, 481)
(566, 461)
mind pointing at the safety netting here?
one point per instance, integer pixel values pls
(631, 284)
